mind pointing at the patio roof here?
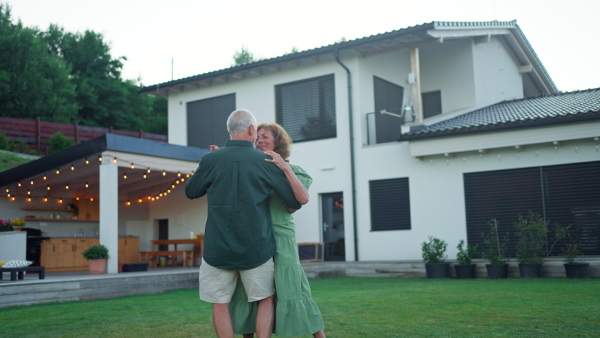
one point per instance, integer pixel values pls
(150, 168)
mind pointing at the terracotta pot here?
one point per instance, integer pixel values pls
(97, 266)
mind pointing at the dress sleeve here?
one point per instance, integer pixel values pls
(302, 175)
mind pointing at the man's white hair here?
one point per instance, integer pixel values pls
(239, 121)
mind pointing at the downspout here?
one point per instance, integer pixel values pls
(352, 168)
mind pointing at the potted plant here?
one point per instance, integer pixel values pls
(571, 251)
(12, 225)
(434, 258)
(96, 256)
(465, 269)
(531, 244)
(4, 225)
(495, 245)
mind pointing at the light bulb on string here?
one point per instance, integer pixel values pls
(12, 198)
(115, 160)
(72, 167)
(28, 192)
(140, 200)
(148, 170)
(178, 174)
(173, 186)
(19, 184)
(77, 198)
(164, 173)
(99, 158)
(144, 176)
(127, 203)
(45, 177)
(87, 161)
(132, 166)
(182, 179)
(60, 200)
(91, 199)
(67, 186)
(31, 182)
(45, 199)
(48, 187)
(87, 185)
(28, 199)
(57, 171)
(125, 176)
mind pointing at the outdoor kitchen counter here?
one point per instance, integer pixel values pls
(66, 253)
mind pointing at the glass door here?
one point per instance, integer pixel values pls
(332, 215)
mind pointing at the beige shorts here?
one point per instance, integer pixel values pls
(217, 285)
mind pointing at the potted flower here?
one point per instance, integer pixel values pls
(495, 246)
(96, 256)
(17, 223)
(531, 244)
(434, 256)
(571, 251)
(4, 225)
(465, 269)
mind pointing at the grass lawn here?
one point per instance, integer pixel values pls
(8, 160)
(351, 307)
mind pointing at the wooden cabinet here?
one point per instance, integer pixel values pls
(88, 210)
(66, 254)
(129, 248)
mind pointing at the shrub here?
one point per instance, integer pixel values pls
(434, 250)
(59, 142)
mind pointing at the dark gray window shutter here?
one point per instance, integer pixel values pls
(388, 96)
(561, 194)
(432, 103)
(390, 204)
(207, 121)
(306, 109)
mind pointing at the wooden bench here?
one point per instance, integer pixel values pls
(14, 272)
(151, 257)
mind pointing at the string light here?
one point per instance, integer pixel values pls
(31, 182)
(128, 203)
(67, 186)
(28, 199)
(164, 173)
(125, 176)
(99, 158)
(115, 160)
(19, 184)
(140, 200)
(87, 185)
(48, 187)
(144, 176)
(44, 177)
(45, 199)
(91, 199)
(60, 200)
(72, 167)
(28, 192)
(148, 170)
(132, 166)
(57, 171)
(178, 174)
(87, 161)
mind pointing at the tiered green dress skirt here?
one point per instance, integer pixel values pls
(296, 313)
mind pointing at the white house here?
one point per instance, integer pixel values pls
(400, 131)
(430, 130)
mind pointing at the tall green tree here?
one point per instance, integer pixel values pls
(33, 82)
(242, 56)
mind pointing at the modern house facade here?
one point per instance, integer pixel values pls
(430, 130)
(363, 115)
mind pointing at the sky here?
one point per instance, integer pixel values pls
(174, 39)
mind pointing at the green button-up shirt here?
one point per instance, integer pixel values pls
(237, 181)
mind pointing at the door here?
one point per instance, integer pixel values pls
(332, 214)
(163, 233)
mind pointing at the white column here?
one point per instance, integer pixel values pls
(109, 213)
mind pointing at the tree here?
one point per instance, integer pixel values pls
(242, 56)
(33, 81)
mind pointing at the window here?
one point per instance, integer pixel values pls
(387, 96)
(306, 109)
(432, 103)
(207, 121)
(561, 194)
(390, 204)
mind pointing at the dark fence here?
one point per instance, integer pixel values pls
(36, 134)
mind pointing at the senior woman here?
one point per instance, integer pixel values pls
(296, 313)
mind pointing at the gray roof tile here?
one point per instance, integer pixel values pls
(529, 112)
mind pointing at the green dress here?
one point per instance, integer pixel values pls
(296, 313)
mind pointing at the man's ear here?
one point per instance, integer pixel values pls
(250, 130)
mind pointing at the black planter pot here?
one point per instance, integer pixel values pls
(437, 270)
(465, 271)
(577, 270)
(497, 271)
(530, 270)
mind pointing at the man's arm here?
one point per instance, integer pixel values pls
(197, 186)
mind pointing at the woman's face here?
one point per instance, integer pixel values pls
(265, 140)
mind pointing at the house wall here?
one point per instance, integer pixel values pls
(461, 69)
